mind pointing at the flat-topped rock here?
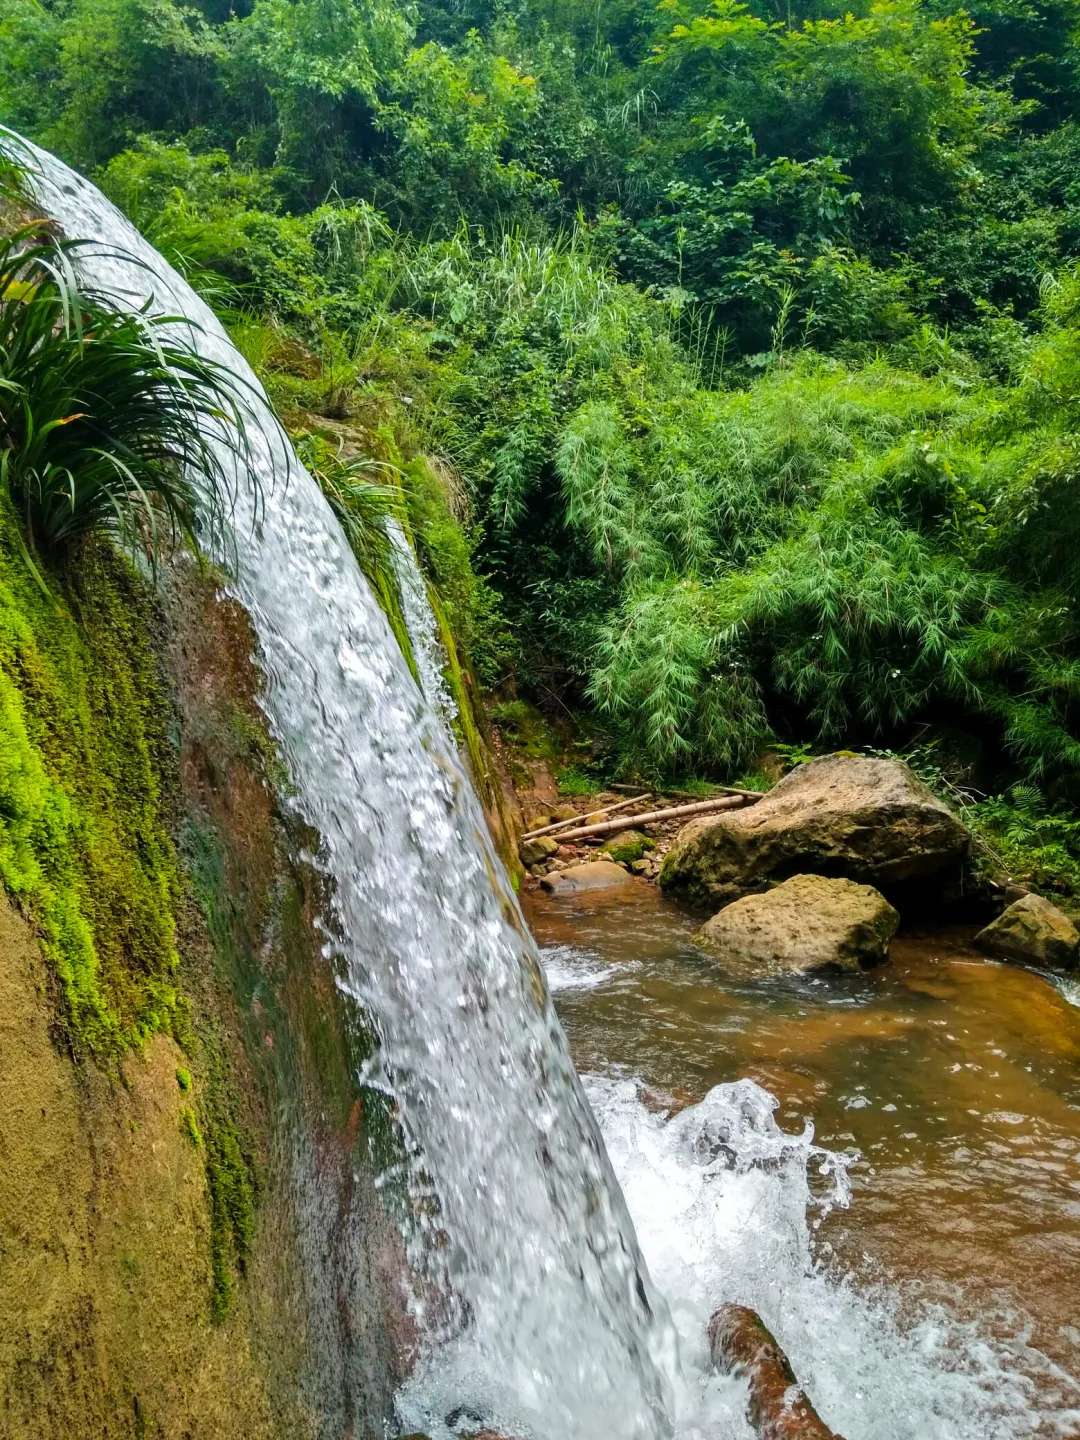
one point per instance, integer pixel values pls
(807, 924)
(593, 875)
(1034, 932)
(848, 815)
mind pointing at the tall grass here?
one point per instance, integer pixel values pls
(105, 421)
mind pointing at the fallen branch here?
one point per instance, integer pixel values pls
(778, 1408)
(562, 824)
(720, 790)
(653, 817)
(696, 794)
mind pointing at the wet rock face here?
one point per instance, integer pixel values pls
(807, 924)
(778, 1409)
(595, 875)
(1033, 932)
(851, 815)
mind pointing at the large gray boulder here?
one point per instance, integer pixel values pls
(807, 924)
(850, 815)
(1034, 932)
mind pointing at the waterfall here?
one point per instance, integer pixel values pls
(428, 650)
(553, 1326)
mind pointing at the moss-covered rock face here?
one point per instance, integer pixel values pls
(84, 847)
(191, 1240)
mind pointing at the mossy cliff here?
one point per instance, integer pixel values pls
(191, 1242)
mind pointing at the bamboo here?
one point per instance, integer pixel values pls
(653, 817)
(721, 790)
(561, 824)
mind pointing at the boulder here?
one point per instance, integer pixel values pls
(851, 815)
(777, 1407)
(627, 846)
(535, 852)
(1033, 932)
(593, 875)
(564, 812)
(808, 923)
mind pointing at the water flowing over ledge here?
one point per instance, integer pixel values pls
(545, 1315)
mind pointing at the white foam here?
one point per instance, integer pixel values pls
(569, 967)
(724, 1205)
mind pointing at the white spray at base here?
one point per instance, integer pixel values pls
(552, 1322)
(720, 1198)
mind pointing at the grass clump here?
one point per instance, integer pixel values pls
(106, 424)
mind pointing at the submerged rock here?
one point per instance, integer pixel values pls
(594, 875)
(1034, 932)
(809, 923)
(867, 819)
(777, 1408)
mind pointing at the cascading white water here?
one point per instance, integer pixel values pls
(420, 621)
(553, 1326)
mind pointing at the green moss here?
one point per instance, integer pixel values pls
(183, 1079)
(189, 1125)
(83, 844)
(232, 1210)
(627, 853)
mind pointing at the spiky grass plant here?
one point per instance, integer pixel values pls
(107, 423)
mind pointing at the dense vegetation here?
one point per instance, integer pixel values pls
(725, 356)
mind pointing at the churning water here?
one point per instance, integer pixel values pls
(547, 1319)
(552, 1322)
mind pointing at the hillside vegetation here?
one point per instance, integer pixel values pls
(725, 357)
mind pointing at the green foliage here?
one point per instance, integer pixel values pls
(728, 358)
(1022, 837)
(229, 1174)
(101, 416)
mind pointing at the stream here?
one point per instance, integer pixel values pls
(925, 1284)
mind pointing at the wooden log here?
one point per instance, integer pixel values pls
(778, 1408)
(696, 794)
(654, 817)
(561, 824)
(720, 790)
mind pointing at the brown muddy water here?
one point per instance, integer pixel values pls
(955, 1078)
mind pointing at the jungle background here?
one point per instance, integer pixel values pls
(723, 360)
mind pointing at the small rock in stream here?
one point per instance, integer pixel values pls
(593, 875)
(778, 1408)
(535, 852)
(1034, 932)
